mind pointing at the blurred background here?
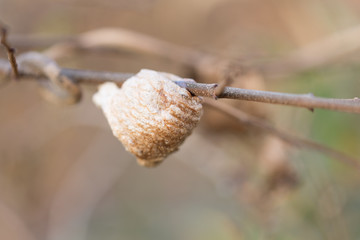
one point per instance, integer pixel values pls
(64, 176)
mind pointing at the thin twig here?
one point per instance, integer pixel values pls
(227, 80)
(287, 138)
(9, 50)
(208, 90)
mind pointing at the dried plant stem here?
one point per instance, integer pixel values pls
(287, 138)
(208, 90)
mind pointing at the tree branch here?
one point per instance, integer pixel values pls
(207, 90)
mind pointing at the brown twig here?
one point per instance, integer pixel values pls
(209, 90)
(9, 50)
(287, 138)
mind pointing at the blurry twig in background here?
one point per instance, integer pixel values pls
(317, 54)
(287, 138)
(314, 55)
(60, 88)
(83, 187)
(12, 226)
(125, 39)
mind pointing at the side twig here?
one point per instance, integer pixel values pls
(9, 50)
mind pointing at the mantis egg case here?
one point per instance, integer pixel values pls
(149, 114)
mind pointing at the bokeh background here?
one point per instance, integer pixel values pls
(64, 176)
